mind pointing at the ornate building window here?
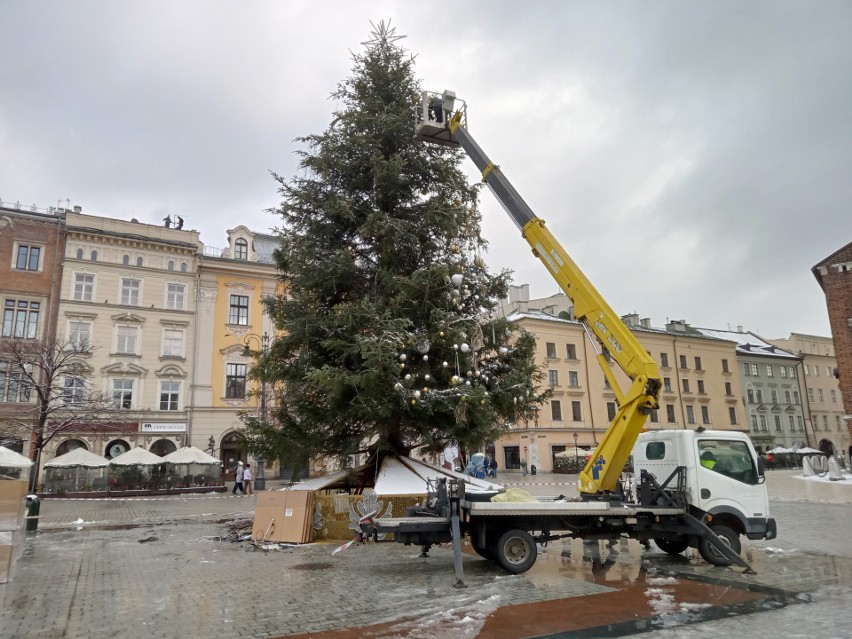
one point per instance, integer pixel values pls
(241, 249)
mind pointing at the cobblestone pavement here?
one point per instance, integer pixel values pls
(154, 568)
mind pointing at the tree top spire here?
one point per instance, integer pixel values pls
(383, 34)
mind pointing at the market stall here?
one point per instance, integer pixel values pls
(137, 469)
(79, 470)
(191, 467)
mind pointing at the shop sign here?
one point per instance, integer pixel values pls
(163, 427)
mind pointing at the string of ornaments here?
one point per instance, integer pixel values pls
(465, 356)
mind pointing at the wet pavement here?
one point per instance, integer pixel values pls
(154, 568)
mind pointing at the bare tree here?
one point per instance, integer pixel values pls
(51, 380)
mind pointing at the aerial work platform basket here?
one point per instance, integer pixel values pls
(436, 110)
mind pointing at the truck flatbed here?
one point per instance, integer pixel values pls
(563, 508)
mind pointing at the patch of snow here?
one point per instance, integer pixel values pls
(846, 480)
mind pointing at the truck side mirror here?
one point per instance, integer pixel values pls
(760, 476)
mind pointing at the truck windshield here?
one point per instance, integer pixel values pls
(730, 458)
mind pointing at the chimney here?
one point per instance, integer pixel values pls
(519, 293)
(645, 322)
(676, 326)
(78, 209)
(631, 319)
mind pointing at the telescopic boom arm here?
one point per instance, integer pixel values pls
(603, 470)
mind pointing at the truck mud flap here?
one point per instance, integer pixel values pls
(705, 532)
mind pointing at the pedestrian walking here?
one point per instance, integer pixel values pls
(238, 479)
(247, 479)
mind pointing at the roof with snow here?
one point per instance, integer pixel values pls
(748, 343)
(515, 316)
(265, 246)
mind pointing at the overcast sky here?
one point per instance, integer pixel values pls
(693, 158)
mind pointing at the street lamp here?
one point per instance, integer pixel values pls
(260, 479)
(576, 456)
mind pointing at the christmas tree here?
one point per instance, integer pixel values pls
(389, 339)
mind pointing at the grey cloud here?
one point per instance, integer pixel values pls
(691, 157)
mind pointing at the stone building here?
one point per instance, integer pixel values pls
(700, 387)
(771, 390)
(31, 246)
(834, 275)
(824, 424)
(232, 328)
(128, 290)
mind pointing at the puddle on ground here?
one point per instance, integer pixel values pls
(647, 590)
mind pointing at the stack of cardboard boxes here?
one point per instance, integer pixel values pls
(286, 516)
(14, 479)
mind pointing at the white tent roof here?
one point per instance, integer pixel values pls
(406, 476)
(137, 457)
(318, 483)
(571, 452)
(401, 476)
(10, 459)
(190, 455)
(78, 457)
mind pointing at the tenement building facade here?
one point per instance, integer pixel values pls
(834, 275)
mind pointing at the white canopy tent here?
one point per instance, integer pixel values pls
(570, 453)
(193, 467)
(136, 457)
(134, 469)
(190, 455)
(76, 470)
(13, 465)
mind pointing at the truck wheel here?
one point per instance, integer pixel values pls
(671, 546)
(713, 556)
(516, 551)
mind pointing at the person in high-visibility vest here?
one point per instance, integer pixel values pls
(708, 459)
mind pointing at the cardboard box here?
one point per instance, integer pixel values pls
(7, 556)
(5, 564)
(284, 516)
(13, 489)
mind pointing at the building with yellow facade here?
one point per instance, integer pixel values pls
(700, 388)
(232, 327)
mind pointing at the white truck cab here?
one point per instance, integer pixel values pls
(725, 484)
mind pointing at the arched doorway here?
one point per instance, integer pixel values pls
(115, 448)
(230, 452)
(70, 444)
(825, 446)
(163, 447)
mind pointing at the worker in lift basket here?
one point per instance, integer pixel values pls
(708, 459)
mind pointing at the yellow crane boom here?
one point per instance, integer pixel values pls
(443, 123)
